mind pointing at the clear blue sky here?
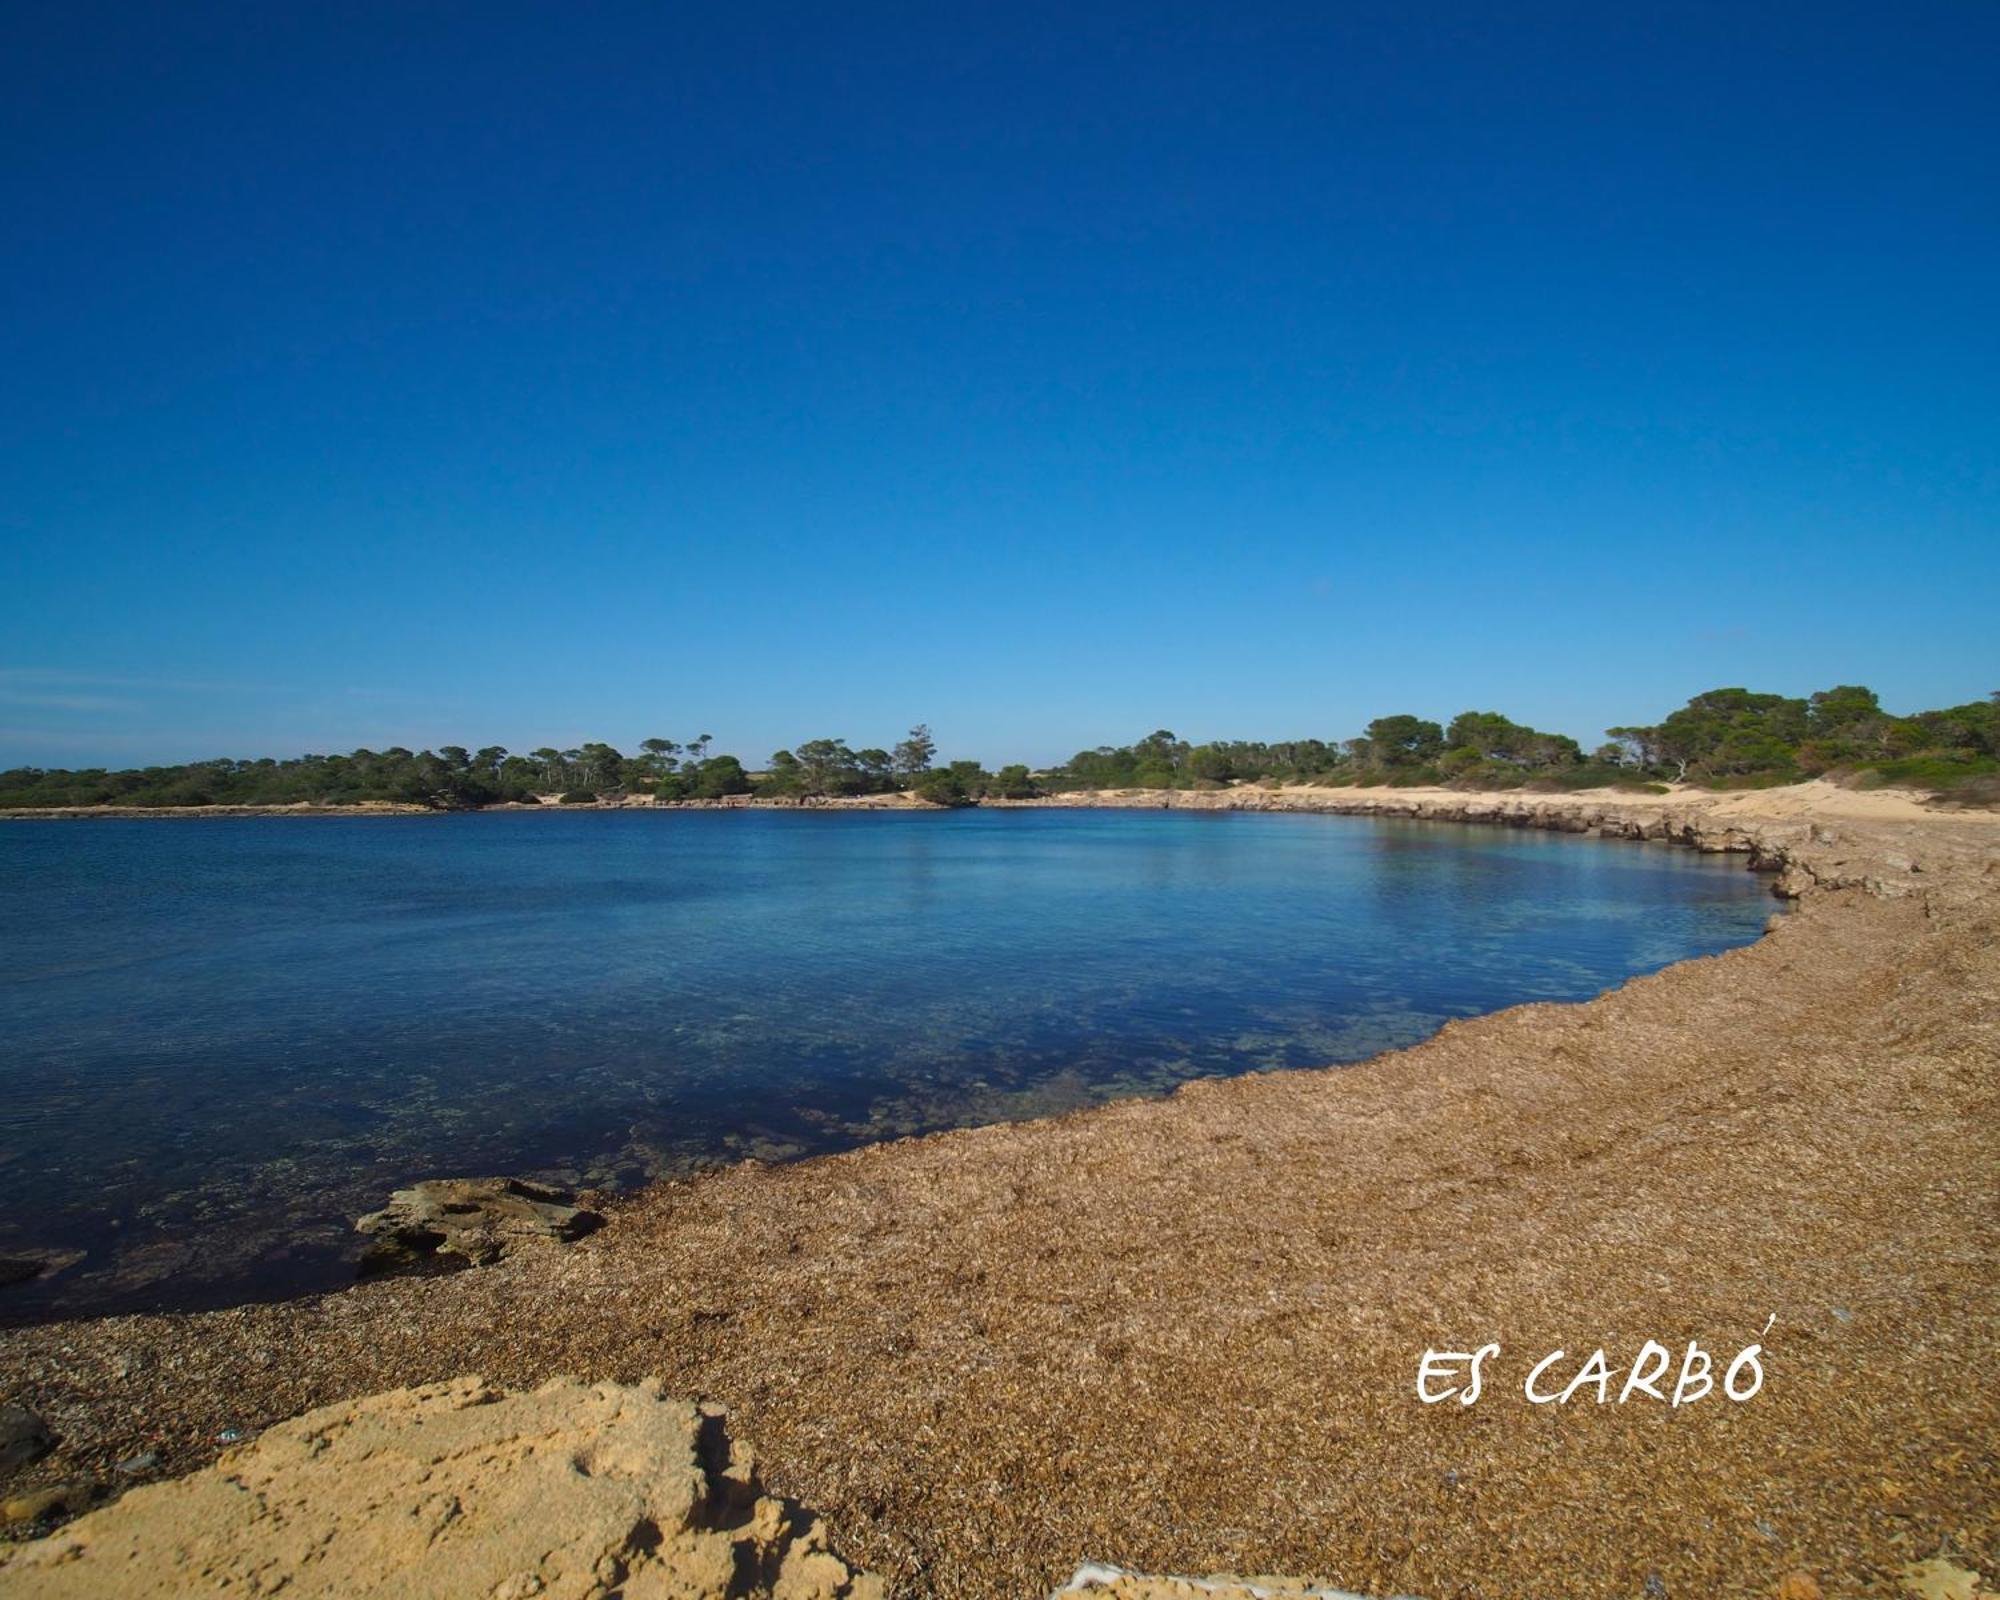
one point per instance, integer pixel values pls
(437, 373)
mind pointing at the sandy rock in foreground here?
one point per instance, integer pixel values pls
(457, 1489)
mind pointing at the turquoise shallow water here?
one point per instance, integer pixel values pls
(225, 1038)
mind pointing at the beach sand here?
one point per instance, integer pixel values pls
(1183, 1335)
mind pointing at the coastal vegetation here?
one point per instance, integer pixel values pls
(1724, 738)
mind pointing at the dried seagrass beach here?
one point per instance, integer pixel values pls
(1183, 1334)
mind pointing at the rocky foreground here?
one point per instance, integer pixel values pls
(459, 1489)
(1185, 1335)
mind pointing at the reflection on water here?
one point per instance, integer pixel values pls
(225, 1038)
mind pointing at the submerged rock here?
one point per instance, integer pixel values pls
(459, 1489)
(26, 1269)
(477, 1219)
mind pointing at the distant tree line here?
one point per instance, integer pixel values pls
(448, 778)
(1724, 738)
(828, 768)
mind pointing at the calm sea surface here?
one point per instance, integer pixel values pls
(223, 1039)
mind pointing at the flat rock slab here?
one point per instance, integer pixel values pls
(477, 1219)
(454, 1489)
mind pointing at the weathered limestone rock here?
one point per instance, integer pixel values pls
(479, 1219)
(570, 1492)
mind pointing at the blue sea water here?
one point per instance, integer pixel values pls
(223, 1039)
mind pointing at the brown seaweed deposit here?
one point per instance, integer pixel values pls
(1184, 1335)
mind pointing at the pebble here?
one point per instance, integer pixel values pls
(133, 1466)
(63, 1498)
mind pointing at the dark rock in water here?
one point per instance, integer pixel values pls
(26, 1269)
(24, 1437)
(476, 1219)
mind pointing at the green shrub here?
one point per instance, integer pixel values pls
(941, 787)
(1486, 775)
(1932, 769)
(1590, 775)
(580, 797)
(1014, 783)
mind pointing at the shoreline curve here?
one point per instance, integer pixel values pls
(1180, 1334)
